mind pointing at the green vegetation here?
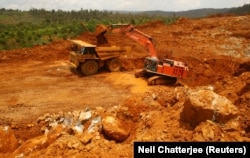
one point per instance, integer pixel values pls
(244, 10)
(38, 26)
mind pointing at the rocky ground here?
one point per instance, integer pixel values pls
(49, 111)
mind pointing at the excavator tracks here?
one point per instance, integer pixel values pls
(140, 73)
(160, 80)
(155, 79)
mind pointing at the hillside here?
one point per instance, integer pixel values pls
(204, 12)
(197, 13)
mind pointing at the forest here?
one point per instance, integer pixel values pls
(20, 29)
(38, 26)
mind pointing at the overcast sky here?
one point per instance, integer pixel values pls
(124, 5)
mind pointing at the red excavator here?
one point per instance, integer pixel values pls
(164, 71)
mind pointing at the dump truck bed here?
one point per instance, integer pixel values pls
(105, 53)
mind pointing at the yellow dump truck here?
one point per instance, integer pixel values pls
(89, 58)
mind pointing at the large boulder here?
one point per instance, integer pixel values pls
(8, 141)
(202, 105)
(115, 129)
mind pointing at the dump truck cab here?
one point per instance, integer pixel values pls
(83, 48)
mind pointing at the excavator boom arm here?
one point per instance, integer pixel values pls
(138, 36)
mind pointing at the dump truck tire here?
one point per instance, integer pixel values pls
(114, 65)
(89, 67)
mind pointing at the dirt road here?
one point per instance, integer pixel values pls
(31, 89)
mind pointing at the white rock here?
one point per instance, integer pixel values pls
(84, 116)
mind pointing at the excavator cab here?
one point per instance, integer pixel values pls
(150, 64)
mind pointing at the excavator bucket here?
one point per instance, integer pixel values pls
(100, 30)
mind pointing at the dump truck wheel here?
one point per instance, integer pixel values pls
(114, 65)
(89, 67)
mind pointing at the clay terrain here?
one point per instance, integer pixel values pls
(47, 110)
